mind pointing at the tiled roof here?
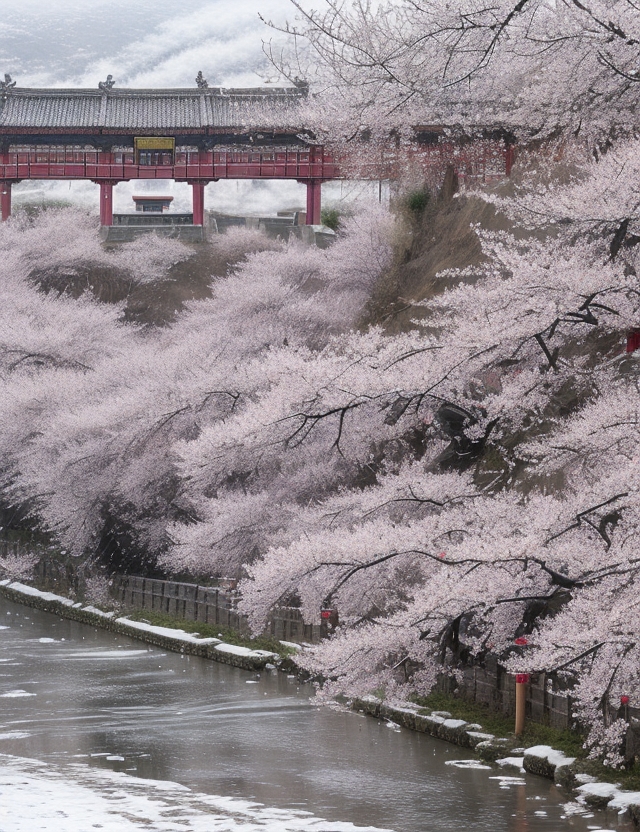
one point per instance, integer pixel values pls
(129, 109)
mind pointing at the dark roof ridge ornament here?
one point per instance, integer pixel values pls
(106, 86)
(7, 84)
(5, 88)
(201, 81)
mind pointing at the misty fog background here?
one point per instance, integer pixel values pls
(151, 43)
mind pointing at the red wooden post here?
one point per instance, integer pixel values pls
(633, 338)
(5, 200)
(198, 202)
(106, 202)
(522, 680)
(509, 155)
(314, 201)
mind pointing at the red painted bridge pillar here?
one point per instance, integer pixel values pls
(5, 200)
(314, 201)
(198, 202)
(106, 202)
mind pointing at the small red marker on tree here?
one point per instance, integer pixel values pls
(521, 641)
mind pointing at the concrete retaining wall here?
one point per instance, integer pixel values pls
(128, 233)
(283, 227)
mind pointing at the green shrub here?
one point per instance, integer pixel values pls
(331, 218)
(417, 201)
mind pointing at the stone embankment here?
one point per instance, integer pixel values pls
(167, 638)
(540, 759)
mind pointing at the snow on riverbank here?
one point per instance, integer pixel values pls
(168, 632)
(137, 628)
(76, 798)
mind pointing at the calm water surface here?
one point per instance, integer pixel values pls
(70, 694)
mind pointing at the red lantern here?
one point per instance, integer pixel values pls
(521, 641)
(442, 555)
(325, 613)
(624, 700)
(522, 678)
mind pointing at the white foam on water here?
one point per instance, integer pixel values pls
(506, 782)
(109, 655)
(467, 764)
(15, 694)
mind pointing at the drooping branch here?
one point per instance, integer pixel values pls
(609, 520)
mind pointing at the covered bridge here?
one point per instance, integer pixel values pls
(199, 135)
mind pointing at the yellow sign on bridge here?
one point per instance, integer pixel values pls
(155, 143)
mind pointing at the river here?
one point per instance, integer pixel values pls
(98, 731)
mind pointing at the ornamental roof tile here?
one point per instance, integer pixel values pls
(171, 109)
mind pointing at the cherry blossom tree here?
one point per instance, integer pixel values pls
(93, 409)
(528, 66)
(519, 354)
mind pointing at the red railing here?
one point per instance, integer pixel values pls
(475, 163)
(203, 165)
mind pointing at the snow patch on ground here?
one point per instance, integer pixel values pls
(75, 798)
(236, 650)
(553, 757)
(513, 762)
(167, 632)
(454, 723)
(620, 800)
(96, 611)
(31, 590)
(480, 735)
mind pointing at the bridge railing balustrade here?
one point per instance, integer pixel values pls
(66, 163)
